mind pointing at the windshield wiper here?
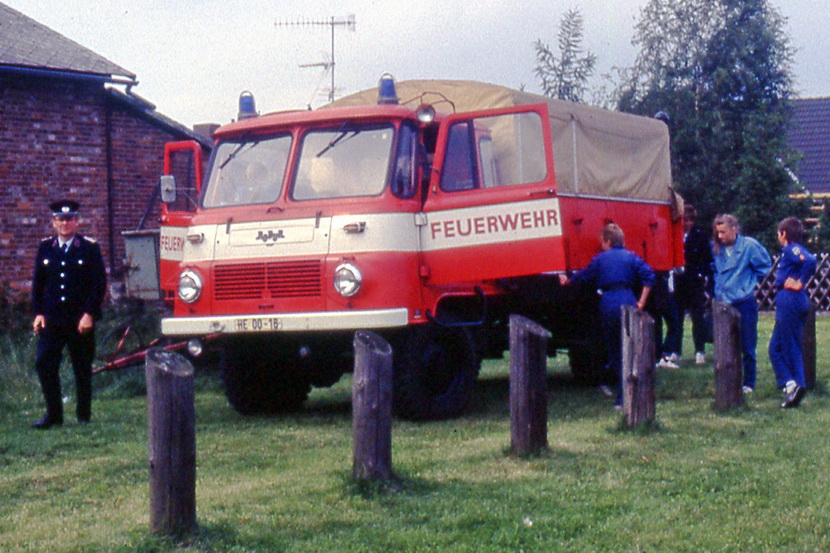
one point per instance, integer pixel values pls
(337, 139)
(236, 152)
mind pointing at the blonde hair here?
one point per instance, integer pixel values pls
(722, 219)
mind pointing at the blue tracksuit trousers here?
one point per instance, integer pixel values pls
(791, 309)
(610, 305)
(749, 338)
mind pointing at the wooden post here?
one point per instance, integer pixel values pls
(528, 387)
(638, 366)
(727, 347)
(808, 348)
(171, 440)
(372, 407)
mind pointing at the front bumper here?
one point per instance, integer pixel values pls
(285, 322)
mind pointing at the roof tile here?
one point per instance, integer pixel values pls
(26, 43)
(810, 134)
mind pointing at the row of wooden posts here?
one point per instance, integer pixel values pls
(171, 410)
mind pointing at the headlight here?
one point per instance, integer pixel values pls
(347, 280)
(190, 286)
(195, 347)
(425, 113)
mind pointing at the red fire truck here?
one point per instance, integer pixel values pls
(428, 220)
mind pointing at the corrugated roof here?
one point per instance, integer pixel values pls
(26, 43)
(810, 134)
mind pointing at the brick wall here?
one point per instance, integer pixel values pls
(53, 144)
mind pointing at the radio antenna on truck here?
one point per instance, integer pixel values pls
(348, 22)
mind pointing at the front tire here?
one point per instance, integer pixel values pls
(435, 373)
(258, 382)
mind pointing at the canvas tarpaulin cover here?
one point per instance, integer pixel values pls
(597, 152)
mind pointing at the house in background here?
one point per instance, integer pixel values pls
(71, 127)
(809, 134)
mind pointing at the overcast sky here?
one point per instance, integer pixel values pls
(192, 58)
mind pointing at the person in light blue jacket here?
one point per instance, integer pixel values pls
(740, 262)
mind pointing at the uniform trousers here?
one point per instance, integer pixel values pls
(693, 301)
(791, 310)
(749, 338)
(51, 342)
(610, 309)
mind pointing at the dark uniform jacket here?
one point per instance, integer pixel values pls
(698, 274)
(67, 285)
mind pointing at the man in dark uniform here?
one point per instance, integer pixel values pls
(68, 289)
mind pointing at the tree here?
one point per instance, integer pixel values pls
(721, 70)
(566, 76)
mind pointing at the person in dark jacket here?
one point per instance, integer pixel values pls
(68, 289)
(617, 273)
(692, 284)
(795, 269)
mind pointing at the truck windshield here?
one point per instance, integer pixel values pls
(248, 171)
(348, 161)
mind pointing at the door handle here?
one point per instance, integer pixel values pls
(355, 228)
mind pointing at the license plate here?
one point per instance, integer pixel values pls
(260, 324)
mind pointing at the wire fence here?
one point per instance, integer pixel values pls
(818, 288)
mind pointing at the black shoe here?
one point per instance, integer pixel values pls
(794, 398)
(47, 422)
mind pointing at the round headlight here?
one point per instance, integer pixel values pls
(190, 286)
(425, 113)
(347, 280)
(195, 347)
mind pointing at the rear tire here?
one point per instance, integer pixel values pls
(257, 383)
(587, 363)
(435, 373)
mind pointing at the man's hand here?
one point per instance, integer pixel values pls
(793, 284)
(85, 324)
(39, 323)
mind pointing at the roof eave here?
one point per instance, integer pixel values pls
(53, 73)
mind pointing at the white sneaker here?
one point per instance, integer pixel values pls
(747, 390)
(674, 358)
(700, 358)
(666, 363)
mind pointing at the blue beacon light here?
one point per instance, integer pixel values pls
(386, 90)
(247, 107)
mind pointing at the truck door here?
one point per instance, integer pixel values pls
(491, 209)
(183, 160)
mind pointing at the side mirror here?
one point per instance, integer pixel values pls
(167, 184)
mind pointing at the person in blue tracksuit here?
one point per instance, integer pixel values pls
(795, 268)
(740, 262)
(617, 273)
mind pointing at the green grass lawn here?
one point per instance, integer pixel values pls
(752, 480)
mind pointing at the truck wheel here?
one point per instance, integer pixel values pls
(255, 382)
(587, 362)
(435, 373)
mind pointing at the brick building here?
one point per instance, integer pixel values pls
(70, 126)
